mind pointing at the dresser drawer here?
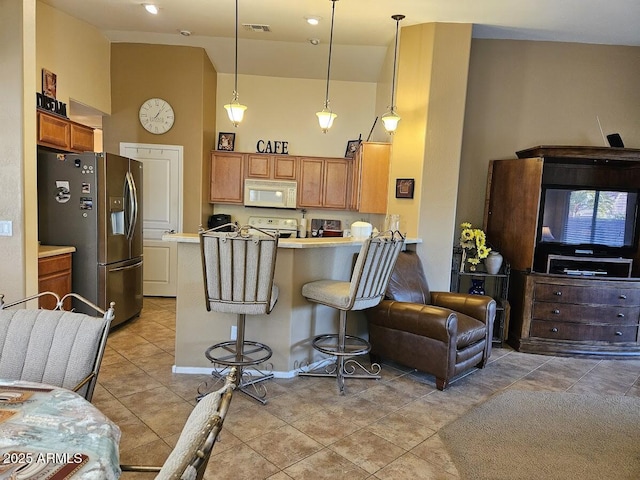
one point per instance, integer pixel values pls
(583, 332)
(544, 292)
(563, 312)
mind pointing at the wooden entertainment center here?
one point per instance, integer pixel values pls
(566, 299)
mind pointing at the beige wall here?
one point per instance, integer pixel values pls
(285, 109)
(184, 77)
(432, 82)
(78, 54)
(522, 94)
(18, 268)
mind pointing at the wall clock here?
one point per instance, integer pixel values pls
(156, 116)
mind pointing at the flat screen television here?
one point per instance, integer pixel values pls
(599, 221)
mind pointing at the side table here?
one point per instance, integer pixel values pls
(496, 286)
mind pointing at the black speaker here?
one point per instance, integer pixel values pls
(615, 140)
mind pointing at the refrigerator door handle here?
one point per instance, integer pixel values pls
(131, 197)
(128, 267)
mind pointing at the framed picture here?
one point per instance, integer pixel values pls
(404, 187)
(226, 141)
(49, 83)
(352, 148)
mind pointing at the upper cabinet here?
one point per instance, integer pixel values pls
(227, 178)
(359, 184)
(370, 181)
(63, 134)
(271, 167)
(324, 183)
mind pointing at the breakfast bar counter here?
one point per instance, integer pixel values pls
(293, 322)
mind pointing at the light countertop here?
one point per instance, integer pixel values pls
(52, 250)
(312, 242)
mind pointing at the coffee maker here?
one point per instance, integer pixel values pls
(219, 219)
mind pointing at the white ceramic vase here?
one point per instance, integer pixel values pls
(493, 262)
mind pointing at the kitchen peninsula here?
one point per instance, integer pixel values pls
(294, 321)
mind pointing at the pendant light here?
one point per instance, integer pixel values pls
(326, 116)
(235, 109)
(391, 118)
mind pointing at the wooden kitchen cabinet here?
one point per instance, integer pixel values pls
(227, 178)
(54, 275)
(370, 181)
(324, 182)
(63, 134)
(271, 167)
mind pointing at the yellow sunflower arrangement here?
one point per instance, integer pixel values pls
(474, 249)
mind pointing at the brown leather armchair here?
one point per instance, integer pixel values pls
(440, 333)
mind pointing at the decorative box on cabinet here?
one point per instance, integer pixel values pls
(370, 181)
(495, 285)
(227, 178)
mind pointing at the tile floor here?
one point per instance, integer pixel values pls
(382, 429)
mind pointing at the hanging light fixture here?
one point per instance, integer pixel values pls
(326, 116)
(391, 118)
(235, 109)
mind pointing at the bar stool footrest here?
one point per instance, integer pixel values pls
(329, 344)
(251, 353)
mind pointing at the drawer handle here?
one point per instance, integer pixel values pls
(557, 293)
(621, 315)
(556, 312)
(554, 330)
(623, 297)
(618, 334)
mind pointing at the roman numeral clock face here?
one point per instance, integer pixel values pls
(156, 116)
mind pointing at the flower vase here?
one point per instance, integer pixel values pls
(477, 286)
(493, 262)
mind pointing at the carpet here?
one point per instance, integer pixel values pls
(546, 435)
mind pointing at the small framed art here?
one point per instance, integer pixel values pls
(49, 80)
(404, 187)
(352, 148)
(226, 141)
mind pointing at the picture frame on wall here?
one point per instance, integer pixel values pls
(49, 81)
(352, 148)
(226, 141)
(404, 187)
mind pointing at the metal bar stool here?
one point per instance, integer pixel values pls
(238, 268)
(366, 288)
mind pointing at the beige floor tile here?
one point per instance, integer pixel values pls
(411, 467)
(252, 422)
(325, 427)
(240, 463)
(380, 429)
(285, 446)
(328, 465)
(367, 450)
(401, 430)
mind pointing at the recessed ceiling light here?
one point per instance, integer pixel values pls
(313, 20)
(150, 8)
(185, 33)
(314, 41)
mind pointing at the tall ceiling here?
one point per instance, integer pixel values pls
(363, 29)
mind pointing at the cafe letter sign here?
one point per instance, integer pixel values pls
(273, 146)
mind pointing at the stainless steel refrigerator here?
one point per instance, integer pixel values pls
(93, 201)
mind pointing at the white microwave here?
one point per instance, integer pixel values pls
(270, 193)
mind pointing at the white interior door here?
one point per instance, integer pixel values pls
(161, 213)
